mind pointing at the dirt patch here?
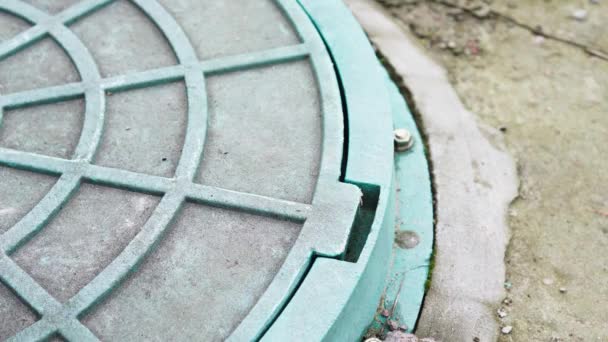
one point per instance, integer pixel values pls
(535, 71)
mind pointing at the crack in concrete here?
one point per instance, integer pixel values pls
(536, 30)
(518, 197)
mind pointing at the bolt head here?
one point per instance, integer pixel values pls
(403, 139)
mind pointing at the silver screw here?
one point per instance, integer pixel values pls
(403, 139)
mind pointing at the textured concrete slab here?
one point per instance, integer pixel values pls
(547, 93)
(474, 183)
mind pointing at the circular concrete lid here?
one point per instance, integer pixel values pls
(168, 169)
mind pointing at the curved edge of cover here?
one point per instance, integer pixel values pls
(338, 299)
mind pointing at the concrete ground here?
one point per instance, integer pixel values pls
(537, 71)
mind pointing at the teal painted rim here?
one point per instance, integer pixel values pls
(339, 300)
(406, 282)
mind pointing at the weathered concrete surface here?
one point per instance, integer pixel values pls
(474, 181)
(550, 98)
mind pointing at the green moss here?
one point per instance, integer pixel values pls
(427, 283)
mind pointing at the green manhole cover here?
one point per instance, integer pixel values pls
(177, 170)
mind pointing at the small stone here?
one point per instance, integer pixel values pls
(548, 281)
(393, 325)
(508, 285)
(502, 313)
(579, 14)
(472, 47)
(398, 336)
(507, 301)
(563, 290)
(452, 44)
(482, 11)
(385, 313)
(403, 327)
(539, 39)
(506, 330)
(476, 339)
(454, 11)
(421, 31)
